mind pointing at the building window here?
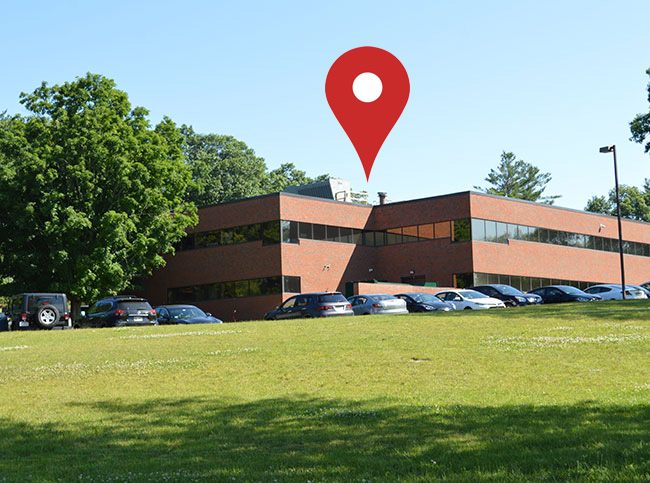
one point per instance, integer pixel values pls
(463, 280)
(291, 284)
(319, 232)
(332, 233)
(289, 231)
(271, 232)
(461, 230)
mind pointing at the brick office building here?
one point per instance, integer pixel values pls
(248, 256)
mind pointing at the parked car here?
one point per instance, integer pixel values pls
(38, 311)
(118, 311)
(424, 302)
(377, 303)
(646, 290)
(319, 304)
(615, 292)
(4, 322)
(563, 293)
(466, 299)
(184, 314)
(510, 296)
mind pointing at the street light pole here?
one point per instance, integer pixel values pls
(612, 149)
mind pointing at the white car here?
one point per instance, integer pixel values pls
(612, 291)
(464, 299)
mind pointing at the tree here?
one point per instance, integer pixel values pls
(515, 178)
(640, 125)
(225, 169)
(288, 175)
(635, 203)
(92, 196)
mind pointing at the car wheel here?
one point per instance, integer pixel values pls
(467, 308)
(47, 316)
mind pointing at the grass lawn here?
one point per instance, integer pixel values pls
(537, 394)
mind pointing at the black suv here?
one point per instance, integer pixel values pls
(38, 311)
(321, 304)
(119, 311)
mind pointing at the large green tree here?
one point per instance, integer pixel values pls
(635, 202)
(92, 195)
(640, 126)
(288, 175)
(226, 169)
(515, 178)
(223, 168)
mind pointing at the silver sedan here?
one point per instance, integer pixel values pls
(377, 303)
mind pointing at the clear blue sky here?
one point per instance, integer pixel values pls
(551, 81)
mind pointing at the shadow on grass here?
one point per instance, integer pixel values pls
(331, 440)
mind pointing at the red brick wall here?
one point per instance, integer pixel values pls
(416, 212)
(552, 261)
(238, 213)
(437, 259)
(323, 212)
(393, 289)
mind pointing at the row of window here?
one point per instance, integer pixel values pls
(282, 231)
(268, 233)
(525, 284)
(291, 231)
(498, 232)
(234, 289)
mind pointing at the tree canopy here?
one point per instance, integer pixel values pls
(92, 195)
(640, 126)
(225, 169)
(515, 178)
(635, 203)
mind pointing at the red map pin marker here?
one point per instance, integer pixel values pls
(367, 89)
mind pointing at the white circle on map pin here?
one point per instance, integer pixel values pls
(367, 87)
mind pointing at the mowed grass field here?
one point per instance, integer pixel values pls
(537, 394)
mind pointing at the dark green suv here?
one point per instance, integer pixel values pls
(38, 311)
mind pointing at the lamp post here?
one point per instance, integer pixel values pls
(612, 149)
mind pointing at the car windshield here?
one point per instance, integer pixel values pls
(570, 290)
(331, 297)
(381, 297)
(185, 312)
(472, 294)
(508, 290)
(425, 298)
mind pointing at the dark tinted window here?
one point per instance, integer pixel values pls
(346, 235)
(331, 298)
(305, 230)
(131, 306)
(461, 230)
(271, 285)
(271, 232)
(319, 232)
(291, 284)
(332, 233)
